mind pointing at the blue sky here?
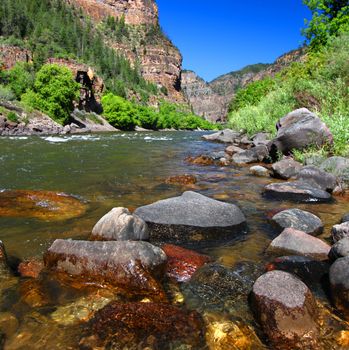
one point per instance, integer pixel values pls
(216, 37)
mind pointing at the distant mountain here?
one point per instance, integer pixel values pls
(211, 100)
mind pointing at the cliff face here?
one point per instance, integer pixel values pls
(160, 61)
(204, 101)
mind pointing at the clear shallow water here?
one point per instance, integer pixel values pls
(130, 169)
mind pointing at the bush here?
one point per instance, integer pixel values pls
(13, 117)
(119, 112)
(20, 78)
(6, 93)
(252, 94)
(53, 92)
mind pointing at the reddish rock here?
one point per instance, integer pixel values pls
(33, 294)
(44, 205)
(135, 267)
(181, 180)
(31, 268)
(182, 263)
(200, 160)
(287, 311)
(132, 323)
(292, 241)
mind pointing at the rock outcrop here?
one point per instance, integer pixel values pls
(204, 101)
(160, 61)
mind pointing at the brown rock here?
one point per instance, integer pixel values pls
(132, 266)
(200, 160)
(291, 241)
(8, 323)
(286, 310)
(42, 205)
(162, 323)
(181, 180)
(233, 149)
(33, 294)
(182, 263)
(31, 268)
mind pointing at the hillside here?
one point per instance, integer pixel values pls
(121, 40)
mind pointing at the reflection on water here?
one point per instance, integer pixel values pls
(121, 169)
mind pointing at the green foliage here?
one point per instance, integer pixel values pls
(319, 84)
(52, 28)
(329, 18)
(53, 92)
(12, 116)
(252, 94)
(20, 78)
(125, 115)
(6, 93)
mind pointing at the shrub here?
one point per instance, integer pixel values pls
(6, 93)
(12, 116)
(118, 112)
(53, 92)
(20, 78)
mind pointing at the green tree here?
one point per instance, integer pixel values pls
(329, 18)
(20, 78)
(53, 92)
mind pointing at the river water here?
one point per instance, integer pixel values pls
(129, 169)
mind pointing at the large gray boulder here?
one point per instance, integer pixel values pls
(286, 168)
(317, 178)
(338, 166)
(300, 129)
(340, 249)
(192, 217)
(340, 231)
(253, 155)
(286, 310)
(339, 281)
(298, 219)
(132, 266)
(294, 242)
(224, 136)
(120, 225)
(296, 191)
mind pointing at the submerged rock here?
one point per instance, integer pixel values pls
(339, 281)
(224, 136)
(181, 180)
(33, 293)
(286, 168)
(200, 160)
(317, 178)
(286, 310)
(296, 191)
(120, 225)
(8, 324)
(132, 266)
(217, 288)
(31, 268)
(192, 217)
(340, 249)
(182, 263)
(258, 170)
(81, 310)
(307, 269)
(253, 155)
(291, 241)
(4, 268)
(301, 129)
(132, 324)
(41, 205)
(340, 231)
(299, 220)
